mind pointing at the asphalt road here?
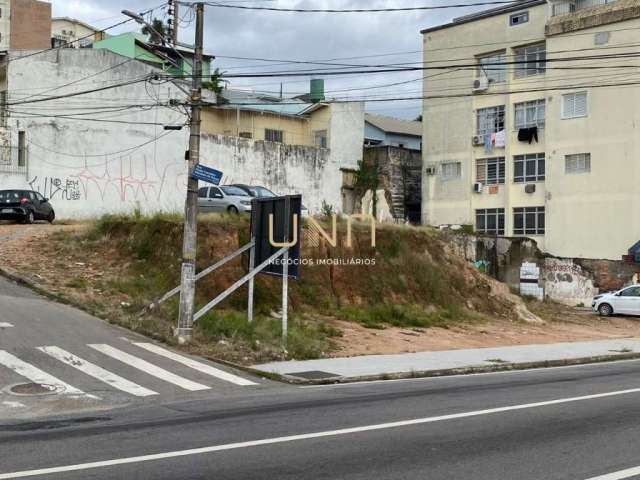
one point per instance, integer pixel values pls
(565, 423)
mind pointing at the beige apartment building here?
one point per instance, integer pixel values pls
(535, 130)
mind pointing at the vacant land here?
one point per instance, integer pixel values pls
(418, 296)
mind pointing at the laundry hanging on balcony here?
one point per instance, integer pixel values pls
(528, 134)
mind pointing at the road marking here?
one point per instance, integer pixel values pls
(5, 325)
(36, 375)
(95, 371)
(13, 404)
(628, 473)
(201, 367)
(149, 368)
(307, 436)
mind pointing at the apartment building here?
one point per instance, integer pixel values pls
(533, 131)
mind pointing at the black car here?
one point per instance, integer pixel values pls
(25, 206)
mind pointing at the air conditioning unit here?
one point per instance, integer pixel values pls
(430, 171)
(480, 84)
(477, 187)
(477, 140)
(531, 188)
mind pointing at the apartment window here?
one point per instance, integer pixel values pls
(574, 105)
(528, 168)
(22, 148)
(273, 135)
(490, 171)
(530, 60)
(518, 18)
(451, 170)
(528, 221)
(490, 120)
(529, 114)
(320, 138)
(577, 163)
(493, 67)
(245, 135)
(490, 221)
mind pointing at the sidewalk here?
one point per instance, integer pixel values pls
(454, 361)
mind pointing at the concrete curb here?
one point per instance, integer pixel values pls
(505, 367)
(13, 275)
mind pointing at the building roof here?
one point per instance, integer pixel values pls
(247, 100)
(518, 5)
(79, 22)
(394, 125)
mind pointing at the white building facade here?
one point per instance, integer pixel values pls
(536, 133)
(86, 129)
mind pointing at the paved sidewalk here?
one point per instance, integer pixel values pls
(478, 359)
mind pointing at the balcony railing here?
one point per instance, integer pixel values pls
(572, 6)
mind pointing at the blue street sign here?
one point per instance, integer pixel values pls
(207, 174)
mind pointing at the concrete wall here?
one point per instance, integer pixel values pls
(89, 35)
(30, 24)
(5, 24)
(88, 166)
(586, 213)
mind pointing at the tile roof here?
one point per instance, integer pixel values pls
(394, 125)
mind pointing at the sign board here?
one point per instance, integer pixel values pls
(283, 209)
(207, 174)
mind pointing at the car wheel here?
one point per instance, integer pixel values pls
(232, 210)
(605, 310)
(51, 217)
(29, 219)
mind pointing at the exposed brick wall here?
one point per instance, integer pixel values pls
(30, 25)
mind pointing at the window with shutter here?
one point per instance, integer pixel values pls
(574, 105)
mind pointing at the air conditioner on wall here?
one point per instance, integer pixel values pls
(477, 140)
(477, 187)
(480, 84)
(531, 188)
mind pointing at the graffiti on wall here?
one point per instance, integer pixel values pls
(567, 282)
(56, 188)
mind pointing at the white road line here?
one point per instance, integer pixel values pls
(5, 325)
(149, 368)
(13, 404)
(95, 371)
(36, 375)
(307, 436)
(628, 473)
(201, 367)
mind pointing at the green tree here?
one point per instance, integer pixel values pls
(158, 33)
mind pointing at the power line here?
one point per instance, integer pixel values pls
(356, 10)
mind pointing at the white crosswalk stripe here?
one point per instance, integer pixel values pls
(201, 367)
(148, 368)
(5, 325)
(36, 375)
(97, 372)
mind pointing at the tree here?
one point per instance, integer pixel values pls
(159, 34)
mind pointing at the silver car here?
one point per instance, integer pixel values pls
(223, 199)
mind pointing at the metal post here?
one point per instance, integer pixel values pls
(252, 254)
(285, 298)
(176, 20)
(187, 292)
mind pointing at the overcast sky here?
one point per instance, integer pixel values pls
(299, 36)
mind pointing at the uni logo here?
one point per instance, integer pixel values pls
(331, 239)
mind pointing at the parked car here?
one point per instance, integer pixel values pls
(225, 198)
(25, 206)
(260, 192)
(625, 301)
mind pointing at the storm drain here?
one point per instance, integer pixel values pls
(314, 375)
(29, 389)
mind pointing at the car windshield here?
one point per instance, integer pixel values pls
(235, 191)
(10, 195)
(264, 192)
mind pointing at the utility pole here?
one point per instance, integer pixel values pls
(174, 6)
(189, 246)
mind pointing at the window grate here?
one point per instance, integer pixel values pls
(489, 120)
(577, 163)
(451, 170)
(530, 60)
(529, 168)
(490, 221)
(529, 221)
(529, 114)
(271, 135)
(490, 171)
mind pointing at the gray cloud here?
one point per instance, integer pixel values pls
(300, 36)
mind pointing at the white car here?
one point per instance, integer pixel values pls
(625, 301)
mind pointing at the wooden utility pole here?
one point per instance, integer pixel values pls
(189, 246)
